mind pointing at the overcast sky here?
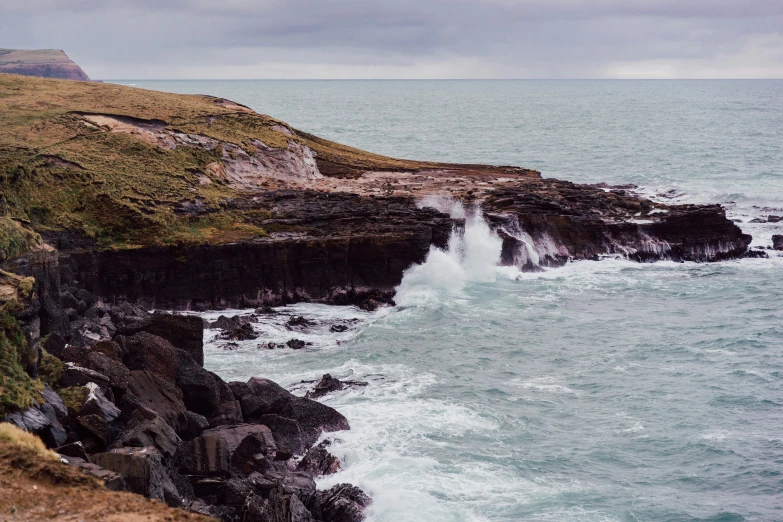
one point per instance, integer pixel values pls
(168, 39)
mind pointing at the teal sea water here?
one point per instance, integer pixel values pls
(600, 391)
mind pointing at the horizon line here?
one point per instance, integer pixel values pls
(430, 79)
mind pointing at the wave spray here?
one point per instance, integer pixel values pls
(472, 255)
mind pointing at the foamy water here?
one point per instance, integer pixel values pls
(599, 391)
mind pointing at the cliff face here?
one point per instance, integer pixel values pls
(45, 63)
(192, 201)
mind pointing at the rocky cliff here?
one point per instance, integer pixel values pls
(198, 202)
(45, 63)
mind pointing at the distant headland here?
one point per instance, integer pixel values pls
(46, 63)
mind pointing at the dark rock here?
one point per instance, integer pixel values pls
(55, 402)
(265, 310)
(206, 455)
(299, 484)
(155, 433)
(143, 471)
(295, 344)
(114, 370)
(96, 403)
(78, 376)
(326, 385)
(343, 503)
(55, 344)
(200, 392)
(74, 449)
(94, 432)
(68, 300)
(319, 462)
(234, 435)
(777, 242)
(243, 333)
(147, 390)
(298, 322)
(75, 354)
(313, 418)
(253, 454)
(240, 389)
(147, 352)
(773, 219)
(112, 481)
(196, 424)
(36, 421)
(267, 397)
(271, 509)
(287, 435)
(225, 323)
(338, 328)
(185, 332)
(298, 511)
(84, 295)
(108, 348)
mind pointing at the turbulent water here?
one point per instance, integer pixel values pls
(598, 391)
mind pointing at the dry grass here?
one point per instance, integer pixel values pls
(33, 56)
(13, 435)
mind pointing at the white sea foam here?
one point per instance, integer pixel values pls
(472, 256)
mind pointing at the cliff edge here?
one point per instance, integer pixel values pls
(46, 63)
(183, 201)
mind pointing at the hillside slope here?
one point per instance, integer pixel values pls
(46, 63)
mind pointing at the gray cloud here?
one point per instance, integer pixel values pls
(409, 38)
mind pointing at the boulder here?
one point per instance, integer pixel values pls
(253, 455)
(777, 242)
(313, 418)
(74, 375)
(296, 344)
(114, 370)
(143, 471)
(111, 480)
(298, 511)
(318, 462)
(154, 433)
(147, 390)
(343, 503)
(206, 455)
(200, 392)
(52, 399)
(34, 420)
(55, 344)
(74, 450)
(235, 434)
(287, 434)
(108, 348)
(96, 403)
(186, 332)
(196, 424)
(147, 352)
(268, 398)
(93, 431)
(244, 332)
(326, 385)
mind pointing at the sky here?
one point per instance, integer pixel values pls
(282, 39)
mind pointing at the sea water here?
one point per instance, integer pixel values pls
(598, 391)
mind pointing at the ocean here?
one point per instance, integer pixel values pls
(599, 391)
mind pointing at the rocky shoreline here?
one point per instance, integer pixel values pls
(142, 414)
(116, 201)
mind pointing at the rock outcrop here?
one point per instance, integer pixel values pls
(156, 423)
(46, 63)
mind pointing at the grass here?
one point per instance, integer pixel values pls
(27, 441)
(33, 56)
(17, 389)
(61, 173)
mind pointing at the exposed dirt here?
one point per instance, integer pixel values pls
(33, 488)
